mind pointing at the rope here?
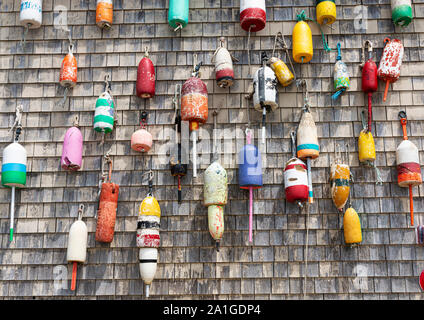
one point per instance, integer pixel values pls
(283, 46)
(306, 254)
(302, 17)
(248, 47)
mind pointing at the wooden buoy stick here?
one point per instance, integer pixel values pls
(411, 204)
(74, 275)
(386, 90)
(12, 213)
(311, 193)
(250, 214)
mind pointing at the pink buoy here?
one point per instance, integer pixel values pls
(142, 140)
(72, 149)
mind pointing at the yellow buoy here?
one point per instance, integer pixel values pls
(302, 43)
(366, 146)
(149, 207)
(326, 11)
(283, 73)
(352, 227)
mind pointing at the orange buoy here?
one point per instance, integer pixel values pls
(104, 13)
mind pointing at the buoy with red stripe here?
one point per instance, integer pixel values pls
(146, 77)
(252, 15)
(108, 204)
(265, 95)
(14, 166)
(307, 144)
(296, 177)
(72, 148)
(142, 140)
(68, 72)
(31, 15)
(77, 245)
(339, 181)
(401, 12)
(104, 13)
(250, 173)
(194, 106)
(224, 70)
(390, 63)
(369, 79)
(177, 166)
(408, 164)
(215, 192)
(148, 237)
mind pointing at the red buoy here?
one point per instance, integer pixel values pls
(252, 15)
(146, 77)
(369, 81)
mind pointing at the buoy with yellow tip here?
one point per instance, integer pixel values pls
(148, 238)
(326, 11)
(339, 181)
(352, 227)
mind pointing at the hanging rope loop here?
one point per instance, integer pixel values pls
(143, 120)
(196, 66)
(146, 52)
(107, 84)
(80, 211)
(151, 176)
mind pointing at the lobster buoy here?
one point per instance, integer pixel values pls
(250, 173)
(148, 223)
(77, 245)
(68, 72)
(302, 42)
(146, 78)
(401, 12)
(326, 11)
(142, 140)
(194, 107)
(422, 280)
(106, 213)
(307, 145)
(224, 70)
(178, 14)
(390, 63)
(369, 81)
(352, 227)
(72, 148)
(215, 192)
(31, 15)
(252, 15)
(295, 177)
(265, 94)
(148, 258)
(104, 13)
(104, 114)
(408, 164)
(339, 184)
(282, 72)
(366, 147)
(341, 75)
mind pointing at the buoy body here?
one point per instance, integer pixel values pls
(14, 165)
(366, 147)
(401, 12)
(31, 13)
(106, 213)
(215, 192)
(390, 63)
(326, 11)
(178, 13)
(250, 167)
(194, 102)
(104, 115)
(339, 184)
(77, 242)
(72, 150)
(307, 138)
(282, 72)
(68, 71)
(296, 181)
(369, 77)
(252, 15)
(408, 164)
(148, 258)
(265, 89)
(146, 79)
(302, 43)
(148, 224)
(141, 140)
(224, 70)
(352, 227)
(341, 76)
(104, 13)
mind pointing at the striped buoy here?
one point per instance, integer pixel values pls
(390, 63)
(408, 164)
(352, 227)
(178, 14)
(224, 70)
(252, 15)
(326, 11)
(104, 13)
(401, 12)
(104, 115)
(339, 182)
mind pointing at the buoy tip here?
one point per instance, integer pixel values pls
(147, 290)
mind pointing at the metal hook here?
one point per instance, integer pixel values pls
(402, 114)
(108, 87)
(80, 211)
